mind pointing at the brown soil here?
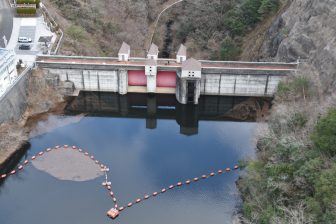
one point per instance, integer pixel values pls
(43, 100)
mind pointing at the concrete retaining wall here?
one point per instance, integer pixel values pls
(14, 101)
(239, 85)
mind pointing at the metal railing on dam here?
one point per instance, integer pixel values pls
(188, 79)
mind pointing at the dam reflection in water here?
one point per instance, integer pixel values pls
(138, 138)
(162, 107)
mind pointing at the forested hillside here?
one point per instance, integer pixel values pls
(293, 179)
(211, 29)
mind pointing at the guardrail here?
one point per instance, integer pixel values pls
(53, 25)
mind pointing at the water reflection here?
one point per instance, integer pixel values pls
(138, 137)
(154, 107)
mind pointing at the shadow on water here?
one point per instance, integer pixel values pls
(165, 107)
(12, 162)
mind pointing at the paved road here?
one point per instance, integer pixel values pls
(172, 64)
(6, 21)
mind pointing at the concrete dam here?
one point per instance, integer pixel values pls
(186, 78)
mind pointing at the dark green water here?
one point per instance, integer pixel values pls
(148, 143)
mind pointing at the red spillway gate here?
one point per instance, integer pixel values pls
(166, 79)
(137, 78)
(163, 79)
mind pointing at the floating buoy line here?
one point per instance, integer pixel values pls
(115, 211)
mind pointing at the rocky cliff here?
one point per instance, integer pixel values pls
(307, 31)
(293, 178)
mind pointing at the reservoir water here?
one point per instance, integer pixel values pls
(148, 142)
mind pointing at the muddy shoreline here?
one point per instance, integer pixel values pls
(43, 100)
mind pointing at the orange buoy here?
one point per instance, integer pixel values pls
(179, 184)
(33, 157)
(113, 213)
(236, 167)
(20, 167)
(212, 174)
(13, 172)
(171, 186)
(163, 190)
(26, 162)
(220, 171)
(138, 200)
(146, 197)
(196, 179)
(129, 204)
(188, 182)
(121, 208)
(204, 176)
(155, 193)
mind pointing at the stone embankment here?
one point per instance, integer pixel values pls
(33, 96)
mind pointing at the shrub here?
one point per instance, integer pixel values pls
(76, 32)
(229, 50)
(37, 2)
(268, 6)
(324, 136)
(299, 86)
(234, 22)
(24, 11)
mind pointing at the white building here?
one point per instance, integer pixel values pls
(153, 52)
(181, 55)
(8, 71)
(124, 52)
(191, 69)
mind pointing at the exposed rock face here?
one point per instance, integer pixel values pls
(306, 30)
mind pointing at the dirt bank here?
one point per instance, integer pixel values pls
(43, 99)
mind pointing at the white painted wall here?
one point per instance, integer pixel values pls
(151, 83)
(152, 56)
(251, 85)
(191, 74)
(180, 58)
(150, 70)
(8, 73)
(123, 57)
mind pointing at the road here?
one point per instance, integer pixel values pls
(6, 21)
(172, 63)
